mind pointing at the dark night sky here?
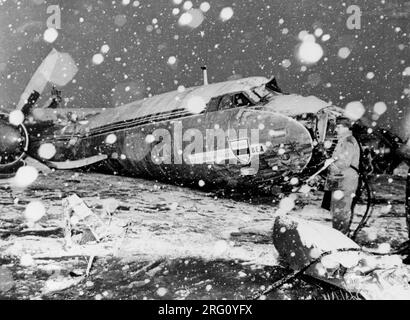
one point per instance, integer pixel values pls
(255, 41)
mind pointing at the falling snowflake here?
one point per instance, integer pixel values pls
(98, 59)
(105, 48)
(34, 211)
(47, 151)
(370, 75)
(286, 63)
(344, 53)
(287, 204)
(226, 14)
(338, 195)
(25, 176)
(309, 51)
(205, 6)
(355, 110)
(380, 108)
(16, 117)
(172, 60)
(50, 35)
(195, 104)
(111, 139)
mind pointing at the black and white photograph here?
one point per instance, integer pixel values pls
(222, 151)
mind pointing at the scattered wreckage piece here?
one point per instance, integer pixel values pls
(59, 284)
(327, 255)
(78, 215)
(6, 279)
(89, 265)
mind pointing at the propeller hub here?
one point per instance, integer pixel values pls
(13, 142)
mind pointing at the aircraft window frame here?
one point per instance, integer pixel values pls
(215, 103)
(244, 97)
(226, 102)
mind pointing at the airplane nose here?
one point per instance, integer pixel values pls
(12, 142)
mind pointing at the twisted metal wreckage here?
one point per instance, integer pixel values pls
(267, 136)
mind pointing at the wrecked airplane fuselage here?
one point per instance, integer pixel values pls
(236, 134)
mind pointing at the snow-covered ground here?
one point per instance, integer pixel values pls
(173, 221)
(169, 222)
(178, 222)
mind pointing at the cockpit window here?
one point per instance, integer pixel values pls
(240, 100)
(229, 101)
(263, 93)
(212, 105)
(225, 103)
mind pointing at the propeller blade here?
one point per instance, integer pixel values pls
(57, 68)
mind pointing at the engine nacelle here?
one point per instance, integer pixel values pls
(13, 146)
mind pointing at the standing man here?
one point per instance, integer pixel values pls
(343, 177)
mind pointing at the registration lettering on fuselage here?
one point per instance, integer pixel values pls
(238, 150)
